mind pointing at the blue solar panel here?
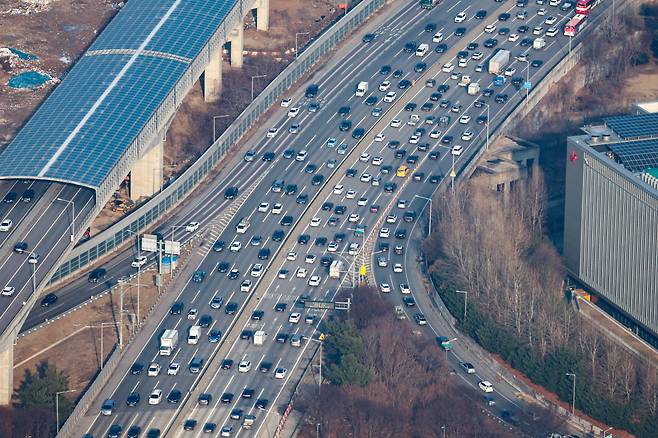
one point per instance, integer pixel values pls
(632, 127)
(84, 127)
(636, 156)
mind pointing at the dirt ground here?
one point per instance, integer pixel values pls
(78, 335)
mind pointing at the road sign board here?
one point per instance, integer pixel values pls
(319, 304)
(342, 305)
(149, 242)
(172, 247)
(527, 85)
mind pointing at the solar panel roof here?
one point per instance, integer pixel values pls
(637, 156)
(634, 126)
(84, 127)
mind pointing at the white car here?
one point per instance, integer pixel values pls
(245, 286)
(541, 11)
(192, 227)
(301, 273)
(153, 369)
(463, 63)
(332, 247)
(301, 155)
(283, 273)
(277, 208)
(550, 20)
(402, 203)
(555, 2)
(139, 261)
(390, 96)
(537, 30)
(470, 369)
(362, 202)
(513, 37)
(338, 189)
(467, 135)
(404, 289)
(435, 134)
(351, 194)
(366, 177)
(385, 288)
(315, 222)
(396, 123)
(464, 119)
(485, 386)
(286, 102)
(263, 207)
(192, 313)
(397, 268)
(382, 262)
(173, 369)
(460, 18)
(8, 291)
(377, 161)
(413, 120)
(272, 132)
(353, 218)
(477, 56)
(280, 373)
(384, 86)
(391, 219)
(156, 397)
(457, 150)
(509, 71)
(235, 246)
(414, 139)
(256, 270)
(448, 67)
(384, 233)
(314, 281)
(437, 38)
(491, 28)
(244, 366)
(364, 157)
(310, 258)
(380, 137)
(292, 256)
(552, 31)
(294, 317)
(293, 112)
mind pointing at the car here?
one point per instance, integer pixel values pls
(491, 42)
(371, 100)
(115, 431)
(209, 427)
(504, 16)
(521, 15)
(501, 98)
(470, 369)
(189, 424)
(526, 42)
(314, 281)
(460, 17)
(227, 364)
(244, 366)
(234, 274)
(420, 319)
(481, 120)
(358, 133)
(173, 368)
(205, 321)
(385, 288)
(49, 300)
(509, 71)
(390, 96)
(408, 301)
(368, 38)
(552, 31)
(550, 20)
(285, 103)
(410, 47)
(467, 135)
(313, 107)
(227, 397)
(228, 430)
(245, 286)
(231, 308)
(448, 67)
(485, 386)
(156, 397)
(536, 63)
(280, 307)
(537, 30)
(136, 368)
(465, 119)
(398, 73)
(132, 401)
(490, 28)
(235, 246)
(385, 69)
(174, 396)
(457, 150)
(312, 91)
(481, 14)
(272, 132)
(261, 404)
(513, 37)
(198, 276)
(8, 291)
(280, 373)
(397, 268)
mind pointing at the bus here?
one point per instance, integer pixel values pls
(574, 25)
(583, 6)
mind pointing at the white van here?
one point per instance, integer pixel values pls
(361, 89)
(422, 49)
(242, 226)
(193, 334)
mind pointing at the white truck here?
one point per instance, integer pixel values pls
(336, 268)
(539, 43)
(168, 342)
(193, 334)
(473, 88)
(259, 337)
(361, 89)
(498, 62)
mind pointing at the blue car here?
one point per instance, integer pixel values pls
(214, 336)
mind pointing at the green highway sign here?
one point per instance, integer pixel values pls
(319, 304)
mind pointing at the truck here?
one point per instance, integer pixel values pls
(259, 337)
(473, 88)
(168, 342)
(336, 268)
(464, 81)
(193, 334)
(539, 43)
(361, 89)
(498, 62)
(429, 4)
(399, 313)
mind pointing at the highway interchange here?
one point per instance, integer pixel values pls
(336, 90)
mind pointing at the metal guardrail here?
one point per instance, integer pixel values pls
(146, 215)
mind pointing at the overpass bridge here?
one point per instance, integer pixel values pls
(107, 119)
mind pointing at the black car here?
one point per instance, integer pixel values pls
(443, 88)
(501, 98)
(291, 189)
(303, 239)
(339, 237)
(189, 424)
(434, 179)
(227, 397)
(133, 399)
(218, 246)
(409, 216)
(390, 187)
(408, 301)
(198, 276)
(302, 199)
(234, 274)
(133, 432)
(526, 42)
(447, 139)
(481, 120)
(205, 321)
(97, 275)
(445, 103)
(400, 153)
(404, 84)
(344, 110)
(261, 404)
(205, 398)
(523, 29)
(358, 133)
(418, 176)
(27, 195)
(401, 233)
(504, 16)
(383, 247)
(231, 308)
(265, 367)
(351, 172)
(49, 300)
(463, 54)
(503, 31)
(209, 427)
(368, 38)
(327, 206)
(460, 31)
(20, 247)
(420, 67)
(223, 267)
(231, 193)
(435, 97)
(398, 73)
(248, 393)
(10, 198)
(236, 414)
(136, 369)
(371, 100)
(174, 396)
(227, 364)
(115, 431)
(472, 46)
(412, 159)
(386, 69)
(246, 334)
(176, 308)
(153, 433)
(410, 47)
(312, 90)
(340, 209)
(491, 42)
(278, 235)
(310, 169)
(288, 154)
(408, 107)
(264, 254)
(257, 315)
(434, 155)
(326, 260)
(427, 106)
(286, 221)
(345, 125)
(282, 338)
(478, 104)
(430, 27)
(536, 63)
(268, 156)
(488, 92)
(280, 307)
(320, 241)
(441, 48)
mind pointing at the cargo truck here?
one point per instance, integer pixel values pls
(429, 4)
(361, 89)
(336, 268)
(168, 342)
(473, 88)
(259, 337)
(498, 62)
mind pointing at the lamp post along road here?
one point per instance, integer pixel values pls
(573, 392)
(465, 300)
(57, 405)
(214, 118)
(72, 203)
(296, 44)
(429, 226)
(252, 84)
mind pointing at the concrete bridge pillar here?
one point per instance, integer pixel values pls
(237, 45)
(146, 174)
(263, 15)
(212, 78)
(6, 372)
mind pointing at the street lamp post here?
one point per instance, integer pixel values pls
(139, 271)
(72, 203)
(449, 341)
(487, 127)
(214, 118)
(527, 81)
(429, 226)
(320, 365)
(443, 428)
(252, 84)
(573, 393)
(465, 300)
(453, 174)
(57, 404)
(605, 433)
(296, 44)
(171, 256)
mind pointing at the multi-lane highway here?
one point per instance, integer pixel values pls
(369, 194)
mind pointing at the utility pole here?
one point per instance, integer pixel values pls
(57, 405)
(465, 300)
(573, 393)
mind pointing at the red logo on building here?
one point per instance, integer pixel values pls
(573, 157)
